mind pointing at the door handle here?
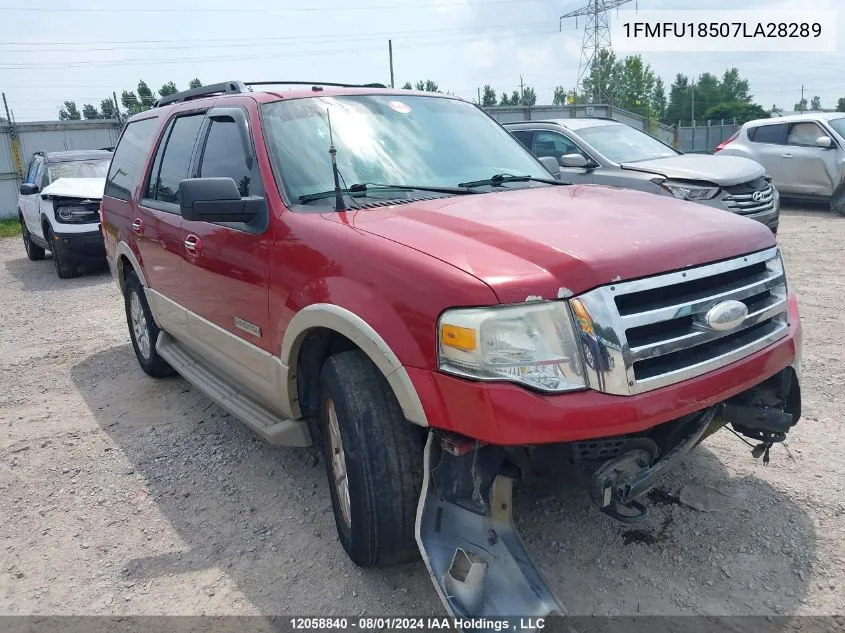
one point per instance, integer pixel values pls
(786, 155)
(192, 244)
(138, 226)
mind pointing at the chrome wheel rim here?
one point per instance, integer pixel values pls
(339, 474)
(139, 325)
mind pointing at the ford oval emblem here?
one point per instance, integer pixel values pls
(726, 315)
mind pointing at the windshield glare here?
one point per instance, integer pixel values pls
(623, 144)
(79, 169)
(389, 139)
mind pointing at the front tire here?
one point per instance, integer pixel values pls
(143, 329)
(837, 200)
(373, 461)
(34, 252)
(65, 267)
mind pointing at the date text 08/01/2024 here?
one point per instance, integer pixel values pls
(428, 623)
(772, 30)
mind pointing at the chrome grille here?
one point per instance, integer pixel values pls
(659, 323)
(745, 204)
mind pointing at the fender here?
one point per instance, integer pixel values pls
(361, 333)
(124, 249)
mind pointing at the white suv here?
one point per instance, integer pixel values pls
(59, 207)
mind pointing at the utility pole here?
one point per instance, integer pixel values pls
(390, 51)
(692, 112)
(801, 103)
(521, 91)
(596, 38)
(13, 139)
(116, 106)
(479, 95)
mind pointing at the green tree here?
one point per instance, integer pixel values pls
(107, 109)
(840, 105)
(168, 89)
(407, 86)
(488, 96)
(90, 112)
(504, 100)
(600, 83)
(195, 83)
(427, 86)
(801, 106)
(130, 102)
(679, 100)
(708, 92)
(658, 100)
(734, 88)
(634, 85)
(742, 112)
(145, 95)
(69, 112)
(515, 98)
(528, 97)
(816, 103)
(559, 96)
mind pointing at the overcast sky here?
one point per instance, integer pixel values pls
(82, 50)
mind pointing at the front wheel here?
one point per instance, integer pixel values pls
(837, 200)
(33, 251)
(65, 267)
(374, 460)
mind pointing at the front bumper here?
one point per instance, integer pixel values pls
(81, 246)
(509, 415)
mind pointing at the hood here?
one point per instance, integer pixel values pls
(551, 242)
(89, 188)
(724, 171)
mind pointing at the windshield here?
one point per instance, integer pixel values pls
(79, 169)
(838, 125)
(390, 139)
(624, 144)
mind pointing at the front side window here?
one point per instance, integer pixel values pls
(176, 160)
(389, 139)
(223, 156)
(78, 169)
(624, 144)
(129, 158)
(838, 125)
(805, 134)
(32, 172)
(553, 144)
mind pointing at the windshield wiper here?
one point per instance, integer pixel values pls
(497, 180)
(362, 188)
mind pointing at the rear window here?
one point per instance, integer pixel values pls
(775, 134)
(129, 158)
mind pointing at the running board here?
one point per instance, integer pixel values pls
(257, 417)
(479, 564)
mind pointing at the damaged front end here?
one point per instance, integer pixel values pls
(465, 527)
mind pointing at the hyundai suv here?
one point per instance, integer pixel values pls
(607, 152)
(58, 207)
(392, 276)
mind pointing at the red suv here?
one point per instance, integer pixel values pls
(392, 275)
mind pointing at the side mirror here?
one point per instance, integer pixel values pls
(825, 142)
(574, 160)
(550, 164)
(29, 189)
(216, 200)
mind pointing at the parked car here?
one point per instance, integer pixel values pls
(392, 275)
(607, 152)
(58, 207)
(803, 153)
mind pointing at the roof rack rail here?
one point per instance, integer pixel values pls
(313, 83)
(226, 87)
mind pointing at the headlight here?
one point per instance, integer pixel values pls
(75, 214)
(687, 191)
(531, 344)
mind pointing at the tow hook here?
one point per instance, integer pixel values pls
(618, 483)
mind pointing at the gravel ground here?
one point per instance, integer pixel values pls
(121, 494)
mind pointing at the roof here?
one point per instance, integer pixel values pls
(77, 154)
(572, 124)
(801, 116)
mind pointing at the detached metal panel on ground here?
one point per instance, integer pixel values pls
(47, 136)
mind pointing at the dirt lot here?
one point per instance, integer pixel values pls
(121, 494)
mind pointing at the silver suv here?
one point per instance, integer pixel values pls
(607, 152)
(803, 153)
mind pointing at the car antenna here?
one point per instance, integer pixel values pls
(338, 193)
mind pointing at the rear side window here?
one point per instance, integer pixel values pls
(775, 134)
(224, 156)
(129, 157)
(176, 160)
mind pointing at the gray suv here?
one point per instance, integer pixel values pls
(607, 152)
(804, 154)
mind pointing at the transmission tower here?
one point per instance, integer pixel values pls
(596, 38)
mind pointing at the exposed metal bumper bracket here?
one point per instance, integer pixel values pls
(478, 563)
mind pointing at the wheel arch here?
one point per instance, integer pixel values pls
(335, 328)
(124, 256)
